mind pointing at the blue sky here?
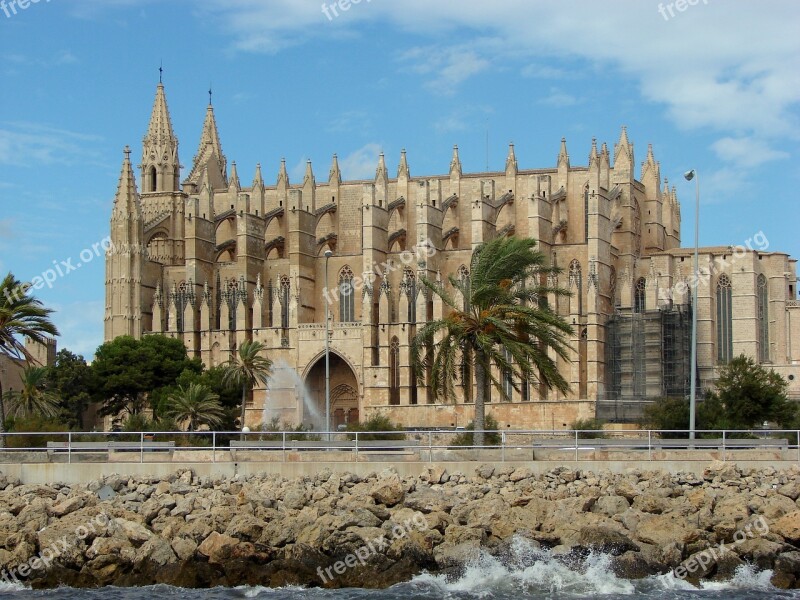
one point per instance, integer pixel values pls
(714, 86)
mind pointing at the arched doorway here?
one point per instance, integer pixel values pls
(343, 391)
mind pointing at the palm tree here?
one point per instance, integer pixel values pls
(21, 315)
(196, 404)
(246, 368)
(504, 320)
(34, 398)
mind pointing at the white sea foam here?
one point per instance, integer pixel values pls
(529, 569)
(526, 569)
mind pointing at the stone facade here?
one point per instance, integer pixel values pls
(213, 262)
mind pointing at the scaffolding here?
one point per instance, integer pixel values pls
(647, 358)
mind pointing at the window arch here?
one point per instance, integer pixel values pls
(285, 287)
(410, 282)
(508, 378)
(394, 372)
(346, 296)
(724, 319)
(763, 319)
(576, 279)
(640, 296)
(463, 277)
(153, 180)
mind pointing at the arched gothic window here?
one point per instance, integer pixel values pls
(410, 281)
(763, 319)
(463, 277)
(347, 296)
(508, 378)
(640, 296)
(394, 372)
(153, 180)
(724, 319)
(576, 279)
(284, 300)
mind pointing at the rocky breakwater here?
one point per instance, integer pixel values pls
(341, 530)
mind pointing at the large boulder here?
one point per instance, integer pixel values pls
(788, 526)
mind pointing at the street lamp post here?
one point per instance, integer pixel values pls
(689, 175)
(328, 254)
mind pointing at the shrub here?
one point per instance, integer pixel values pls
(376, 423)
(589, 428)
(34, 424)
(293, 433)
(490, 439)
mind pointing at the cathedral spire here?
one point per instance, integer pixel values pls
(511, 160)
(283, 174)
(258, 180)
(209, 153)
(309, 174)
(160, 162)
(563, 156)
(124, 259)
(455, 162)
(380, 172)
(234, 178)
(160, 127)
(594, 157)
(402, 169)
(126, 203)
(335, 175)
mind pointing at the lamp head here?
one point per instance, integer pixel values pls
(689, 175)
(328, 253)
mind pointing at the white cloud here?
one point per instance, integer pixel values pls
(746, 152)
(462, 118)
(26, 144)
(362, 163)
(730, 66)
(557, 97)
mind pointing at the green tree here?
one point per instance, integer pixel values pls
(130, 371)
(246, 368)
(214, 379)
(504, 321)
(34, 399)
(668, 414)
(467, 438)
(74, 383)
(746, 395)
(21, 315)
(195, 405)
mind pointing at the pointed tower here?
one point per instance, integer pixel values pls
(455, 164)
(160, 166)
(234, 185)
(209, 156)
(335, 175)
(402, 169)
(258, 191)
(382, 182)
(511, 161)
(623, 158)
(562, 164)
(124, 259)
(309, 188)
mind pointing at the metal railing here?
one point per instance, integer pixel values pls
(417, 445)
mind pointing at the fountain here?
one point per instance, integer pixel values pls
(287, 389)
